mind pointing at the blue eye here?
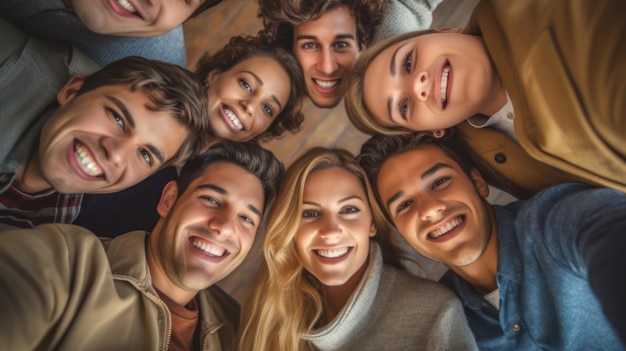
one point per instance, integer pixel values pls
(146, 156)
(350, 210)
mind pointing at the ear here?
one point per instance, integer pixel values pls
(373, 230)
(479, 182)
(438, 133)
(212, 76)
(69, 90)
(168, 198)
(449, 30)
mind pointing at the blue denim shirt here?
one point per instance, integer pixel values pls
(546, 302)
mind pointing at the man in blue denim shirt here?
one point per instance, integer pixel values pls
(543, 273)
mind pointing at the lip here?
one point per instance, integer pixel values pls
(449, 235)
(326, 91)
(445, 63)
(119, 10)
(333, 260)
(227, 120)
(205, 256)
(71, 158)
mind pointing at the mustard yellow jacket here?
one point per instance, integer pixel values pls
(563, 63)
(61, 290)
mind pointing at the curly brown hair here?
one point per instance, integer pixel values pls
(281, 16)
(243, 47)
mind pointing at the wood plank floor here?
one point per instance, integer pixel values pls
(323, 127)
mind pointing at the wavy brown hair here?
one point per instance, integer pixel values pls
(280, 16)
(284, 303)
(243, 47)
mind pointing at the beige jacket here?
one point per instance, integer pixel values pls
(58, 292)
(563, 64)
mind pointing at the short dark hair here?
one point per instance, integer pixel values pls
(243, 47)
(281, 16)
(249, 155)
(376, 150)
(171, 88)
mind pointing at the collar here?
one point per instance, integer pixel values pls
(347, 325)
(502, 120)
(127, 257)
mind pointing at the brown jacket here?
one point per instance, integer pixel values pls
(563, 64)
(62, 291)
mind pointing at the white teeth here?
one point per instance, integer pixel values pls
(446, 228)
(126, 5)
(208, 248)
(332, 253)
(443, 90)
(326, 84)
(233, 118)
(86, 163)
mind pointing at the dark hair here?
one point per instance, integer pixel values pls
(376, 150)
(171, 88)
(248, 155)
(204, 5)
(241, 48)
(281, 16)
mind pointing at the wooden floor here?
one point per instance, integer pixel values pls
(322, 127)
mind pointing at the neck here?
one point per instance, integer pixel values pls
(336, 297)
(29, 176)
(160, 278)
(495, 99)
(481, 274)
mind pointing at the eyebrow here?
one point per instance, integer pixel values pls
(429, 172)
(350, 197)
(260, 82)
(220, 190)
(392, 69)
(131, 121)
(312, 37)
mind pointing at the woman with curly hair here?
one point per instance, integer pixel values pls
(331, 278)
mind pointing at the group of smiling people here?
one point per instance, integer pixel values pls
(528, 98)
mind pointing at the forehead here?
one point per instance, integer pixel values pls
(239, 185)
(408, 167)
(332, 182)
(336, 21)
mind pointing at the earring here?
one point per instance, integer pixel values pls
(438, 133)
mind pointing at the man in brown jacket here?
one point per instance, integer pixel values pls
(63, 289)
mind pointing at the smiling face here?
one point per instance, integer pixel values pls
(326, 49)
(102, 141)
(133, 18)
(436, 206)
(333, 238)
(432, 81)
(207, 231)
(244, 100)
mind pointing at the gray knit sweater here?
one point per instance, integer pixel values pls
(406, 16)
(391, 310)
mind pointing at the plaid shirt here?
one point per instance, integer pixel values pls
(22, 210)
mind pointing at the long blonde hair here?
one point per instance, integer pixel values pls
(283, 304)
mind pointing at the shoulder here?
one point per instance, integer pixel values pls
(401, 285)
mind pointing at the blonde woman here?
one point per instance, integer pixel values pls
(330, 280)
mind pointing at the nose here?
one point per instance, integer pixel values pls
(421, 85)
(249, 105)
(327, 63)
(430, 207)
(330, 229)
(117, 149)
(222, 223)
